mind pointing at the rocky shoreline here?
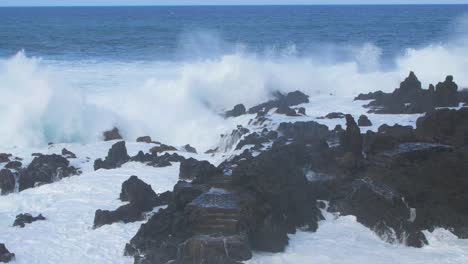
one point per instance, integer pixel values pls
(398, 181)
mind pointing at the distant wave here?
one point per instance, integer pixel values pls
(179, 102)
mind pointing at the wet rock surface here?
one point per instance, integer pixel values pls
(410, 98)
(116, 157)
(364, 121)
(5, 157)
(68, 154)
(113, 134)
(7, 181)
(281, 101)
(23, 219)
(5, 255)
(140, 197)
(238, 110)
(396, 181)
(45, 169)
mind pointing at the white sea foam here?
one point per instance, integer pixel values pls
(179, 102)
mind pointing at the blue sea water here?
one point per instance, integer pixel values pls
(167, 33)
(69, 73)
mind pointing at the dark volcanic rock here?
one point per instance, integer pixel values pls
(281, 100)
(162, 148)
(333, 115)
(23, 219)
(14, 165)
(198, 171)
(113, 134)
(352, 138)
(5, 255)
(301, 111)
(68, 154)
(7, 181)
(238, 110)
(285, 110)
(116, 156)
(446, 93)
(305, 132)
(411, 98)
(445, 126)
(137, 192)
(364, 121)
(388, 137)
(141, 198)
(190, 149)
(45, 169)
(4, 157)
(145, 139)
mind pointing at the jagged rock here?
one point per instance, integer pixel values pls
(388, 137)
(301, 111)
(304, 131)
(285, 110)
(364, 121)
(333, 115)
(352, 138)
(45, 169)
(5, 255)
(7, 181)
(68, 154)
(410, 98)
(144, 139)
(446, 93)
(281, 100)
(4, 157)
(116, 157)
(23, 219)
(198, 171)
(252, 139)
(14, 165)
(444, 126)
(137, 192)
(162, 148)
(238, 110)
(190, 149)
(141, 198)
(382, 209)
(113, 134)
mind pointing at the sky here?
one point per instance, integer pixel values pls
(214, 2)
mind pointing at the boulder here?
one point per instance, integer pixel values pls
(351, 140)
(238, 110)
(333, 115)
(68, 154)
(444, 126)
(23, 219)
(45, 169)
(198, 171)
(144, 139)
(301, 111)
(285, 110)
(5, 255)
(116, 157)
(364, 121)
(137, 192)
(13, 165)
(306, 132)
(4, 157)
(281, 100)
(7, 181)
(190, 149)
(141, 198)
(446, 93)
(162, 148)
(112, 134)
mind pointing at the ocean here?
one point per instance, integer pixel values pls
(68, 74)
(74, 71)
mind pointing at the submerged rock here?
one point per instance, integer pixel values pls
(23, 219)
(116, 157)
